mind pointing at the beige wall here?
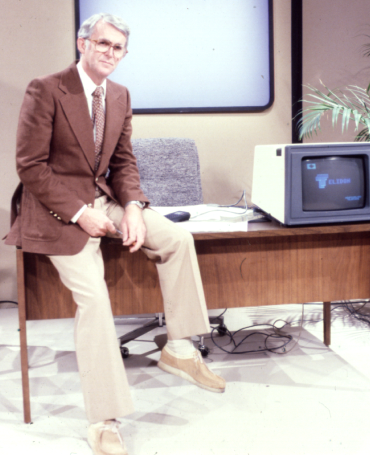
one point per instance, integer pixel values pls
(38, 38)
(333, 38)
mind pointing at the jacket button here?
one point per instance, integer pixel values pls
(97, 179)
(89, 205)
(51, 212)
(55, 214)
(59, 218)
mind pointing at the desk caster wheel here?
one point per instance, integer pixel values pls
(222, 330)
(204, 350)
(124, 352)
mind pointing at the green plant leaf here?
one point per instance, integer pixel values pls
(363, 135)
(309, 124)
(367, 123)
(349, 102)
(335, 114)
(346, 115)
(357, 117)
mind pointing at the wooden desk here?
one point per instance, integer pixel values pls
(268, 265)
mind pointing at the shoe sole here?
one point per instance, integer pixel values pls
(163, 366)
(95, 446)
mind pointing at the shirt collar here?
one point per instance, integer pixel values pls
(88, 85)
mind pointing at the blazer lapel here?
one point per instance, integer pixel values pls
(115, 112)
(75, 107)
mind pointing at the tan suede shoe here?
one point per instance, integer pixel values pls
(104, 438)
(191, 368)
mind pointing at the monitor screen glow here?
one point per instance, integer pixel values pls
(333, 183)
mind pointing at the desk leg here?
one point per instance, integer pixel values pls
(23, 336)
(327, 322)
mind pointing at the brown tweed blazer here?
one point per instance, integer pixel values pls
(55, 162)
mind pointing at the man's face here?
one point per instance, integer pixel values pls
(99, 65)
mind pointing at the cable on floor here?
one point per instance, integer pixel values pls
(278, 331)
(277, 334)
(356, 312)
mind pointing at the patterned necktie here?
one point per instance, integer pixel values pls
(98, 121)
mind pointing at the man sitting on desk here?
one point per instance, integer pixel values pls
(73, 126)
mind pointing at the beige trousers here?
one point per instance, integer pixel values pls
(103, 378)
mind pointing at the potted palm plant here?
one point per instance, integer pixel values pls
(350, 104)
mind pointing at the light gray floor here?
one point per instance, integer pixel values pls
(311, 400)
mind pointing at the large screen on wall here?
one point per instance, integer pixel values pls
(194, 55)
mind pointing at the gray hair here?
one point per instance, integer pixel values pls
(87, 27)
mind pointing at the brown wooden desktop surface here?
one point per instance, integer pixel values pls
(268, 265)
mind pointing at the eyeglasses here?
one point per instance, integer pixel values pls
(104, 45)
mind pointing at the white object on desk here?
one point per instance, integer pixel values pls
(210, 218)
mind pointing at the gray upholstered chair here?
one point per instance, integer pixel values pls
(170, 176)
(169, 171)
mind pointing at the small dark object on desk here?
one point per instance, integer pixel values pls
(259, 216)
(176, 217)
(262, 219)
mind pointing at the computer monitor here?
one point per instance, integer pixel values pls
(300, 184)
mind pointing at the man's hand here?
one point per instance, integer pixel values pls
(95, 223)
(133, 227)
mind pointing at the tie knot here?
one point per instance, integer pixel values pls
(98, 92)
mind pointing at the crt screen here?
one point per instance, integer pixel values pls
(333, 183)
